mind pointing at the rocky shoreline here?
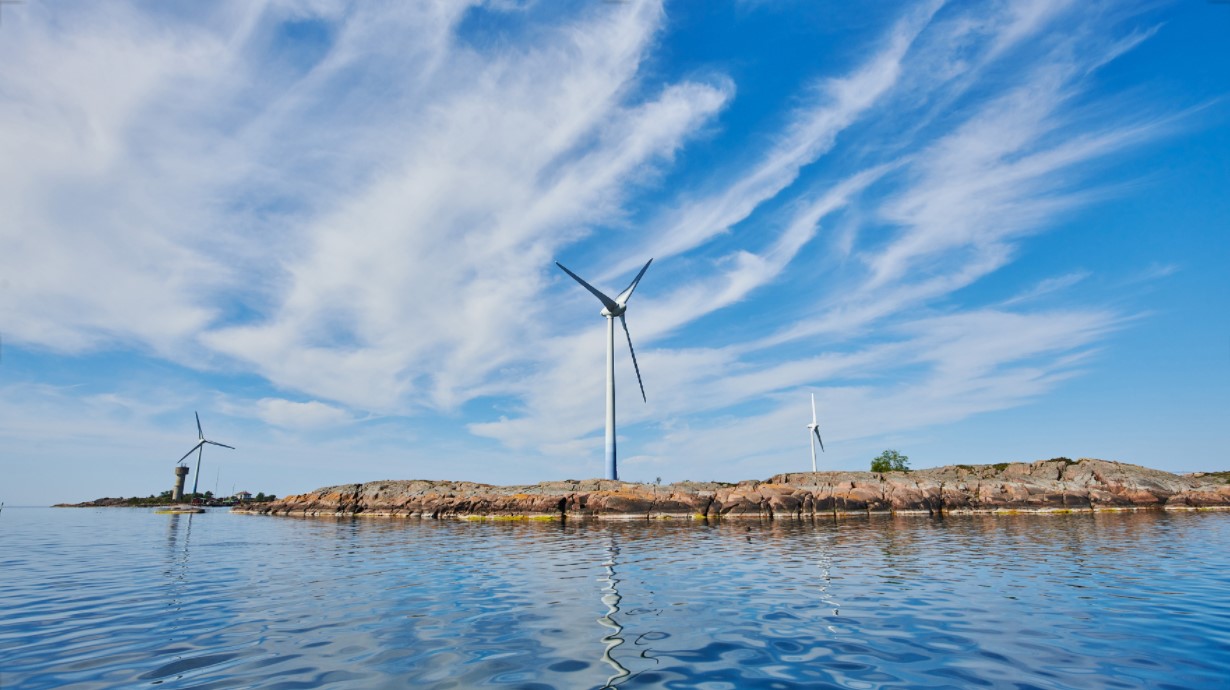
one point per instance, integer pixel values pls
(1043, 486)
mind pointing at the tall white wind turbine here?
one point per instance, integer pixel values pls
(198, 448)
(813, 433)
(612, 308)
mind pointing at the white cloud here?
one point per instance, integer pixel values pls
(364, 215)
(289, 414)
(420, 285)
(812, 132)
(973, 363)
(94, 248)
(1047, 287)
(960, 201)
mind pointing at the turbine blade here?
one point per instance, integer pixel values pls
(624, 321)
(199, 433)
(817, 430)
(606, 301)
(626, 295)
(813, 408)
(198, 445)
(215, 443)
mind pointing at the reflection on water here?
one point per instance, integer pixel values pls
(611, 599)
(126, 598)
(824, 564)
(177, 566)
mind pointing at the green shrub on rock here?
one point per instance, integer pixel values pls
(891, 461)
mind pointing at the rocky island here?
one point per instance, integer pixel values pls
(1047, 485)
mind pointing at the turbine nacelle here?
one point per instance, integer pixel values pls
(618, 311)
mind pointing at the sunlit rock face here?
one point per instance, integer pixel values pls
(1046, 485)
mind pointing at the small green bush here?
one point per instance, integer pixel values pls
(891, 461)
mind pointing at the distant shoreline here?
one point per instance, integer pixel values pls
(121, 502)
(108, 502)
(1045, 486)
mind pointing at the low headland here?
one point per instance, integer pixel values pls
(164, 501)
(1057, 485)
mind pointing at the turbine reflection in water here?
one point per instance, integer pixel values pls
(178, 581)
(824, 563)
(611, 598)
(177, 546)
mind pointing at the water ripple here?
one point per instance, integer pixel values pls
(127, 598)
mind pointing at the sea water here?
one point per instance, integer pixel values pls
(127, 598)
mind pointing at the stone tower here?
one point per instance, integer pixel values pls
(181, 473)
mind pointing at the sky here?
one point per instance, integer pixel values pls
(977, 232)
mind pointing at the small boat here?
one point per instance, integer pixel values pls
(179, 510)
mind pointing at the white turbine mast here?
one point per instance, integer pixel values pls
(198, 449)
(813, 433)
(612, 308)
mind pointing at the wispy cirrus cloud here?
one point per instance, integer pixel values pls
(1047, 287)
(834, 104)
(938, 214)
(518, 151)
(358, 206)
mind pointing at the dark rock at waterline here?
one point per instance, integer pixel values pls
(1046, 485)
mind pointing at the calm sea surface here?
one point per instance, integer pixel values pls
(126, 598)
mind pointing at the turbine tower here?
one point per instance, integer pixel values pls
(612, 308)
(813, 433)
(198, 448)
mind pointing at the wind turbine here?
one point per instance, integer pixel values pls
(610, 309)
(199, 448)
(813, 433)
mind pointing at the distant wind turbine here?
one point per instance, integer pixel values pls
(610, 309)
(198, 449)
(813, 433)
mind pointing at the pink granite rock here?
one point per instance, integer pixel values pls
(1039, 486)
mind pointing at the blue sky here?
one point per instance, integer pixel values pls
(977, 232)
